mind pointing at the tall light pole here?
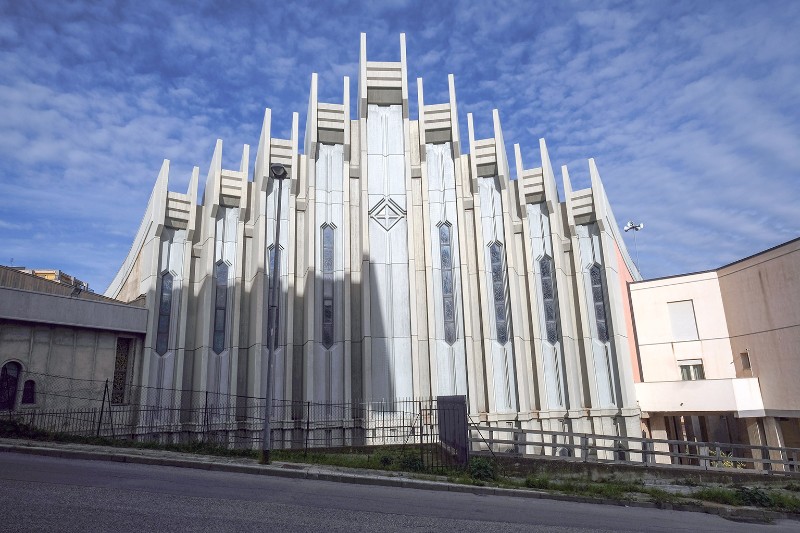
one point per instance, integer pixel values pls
(278, 173)
(636, 228)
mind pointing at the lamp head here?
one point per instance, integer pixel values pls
(278, 171)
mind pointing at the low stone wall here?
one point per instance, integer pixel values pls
(566, 468)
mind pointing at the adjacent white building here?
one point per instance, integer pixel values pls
(720, 349)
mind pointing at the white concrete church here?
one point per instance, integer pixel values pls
(406, 269)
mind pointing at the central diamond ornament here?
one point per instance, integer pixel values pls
(387, 213)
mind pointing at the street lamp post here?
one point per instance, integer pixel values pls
(636, 228)
(278, 173)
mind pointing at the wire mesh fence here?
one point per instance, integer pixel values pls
(91, 408)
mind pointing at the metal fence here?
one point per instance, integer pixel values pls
(171, 416)
(436, 431)
(586, 447)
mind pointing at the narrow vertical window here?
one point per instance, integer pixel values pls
(271, 261)
(448, 299)
(549, 298)
(9, 379)
(121, 370)
(598, 296)
(164, 312)
(327, 286)
(29, 392)
(499, 292)
(220, 306)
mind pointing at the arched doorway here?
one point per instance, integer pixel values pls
(9, 381)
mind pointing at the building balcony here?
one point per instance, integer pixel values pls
(735, 395)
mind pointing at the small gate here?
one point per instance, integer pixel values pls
(444, 439)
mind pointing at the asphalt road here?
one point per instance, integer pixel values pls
(52, 494)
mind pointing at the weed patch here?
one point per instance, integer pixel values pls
(538, 482)
(717, 495)
(481, 469)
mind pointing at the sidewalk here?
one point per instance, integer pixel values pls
(347, 475)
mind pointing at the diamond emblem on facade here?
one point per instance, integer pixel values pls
(387, 213)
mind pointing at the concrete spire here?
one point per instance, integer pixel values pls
(159, 197)
(548, 177)
(211, 197)
(261, 169)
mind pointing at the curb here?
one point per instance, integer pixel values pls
(315, 473)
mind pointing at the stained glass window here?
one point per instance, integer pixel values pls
(448, 298)
(596, 275)
(499, 291)
(327, 286)
(549, 298)
(121, 370)
(164, 312)
(271, 264)
(220, 306)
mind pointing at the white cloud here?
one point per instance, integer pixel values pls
(691, 111)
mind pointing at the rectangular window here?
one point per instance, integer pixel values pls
(499, 291)
(164, 313)
(681, 316)
(448, 300)
(121, 364)
(745, 360)
(327, 286)
(692, 370)
(220, 307)
(598, 295)
(549, 298)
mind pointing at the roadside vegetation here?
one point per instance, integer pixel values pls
(481, 471)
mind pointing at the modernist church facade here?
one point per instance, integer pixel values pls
(407, 268)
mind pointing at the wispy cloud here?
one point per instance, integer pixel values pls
(692, 112)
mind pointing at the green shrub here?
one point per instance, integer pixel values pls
(385, 459)
(784, 501)
(538, 482)
(754, 496)
(660, 495)
(411, 461)
(718, 495)
(482, 469)
(792, 486)
(12, 428)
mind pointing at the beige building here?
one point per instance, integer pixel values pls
(720, 351)
(54, 275)
(59, 345)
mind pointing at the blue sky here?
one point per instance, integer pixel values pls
(690, 109)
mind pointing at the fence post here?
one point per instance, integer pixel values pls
(702, 452)
(765, 457)
(584, 448)
(421, 433)
(102, 405)
(205, 419)
(308, 427)
(110, 411)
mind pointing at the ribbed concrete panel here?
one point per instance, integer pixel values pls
(388, 239)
